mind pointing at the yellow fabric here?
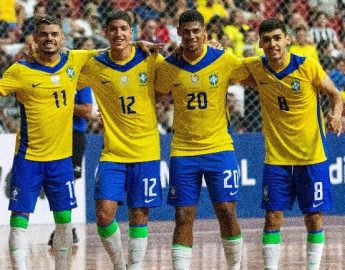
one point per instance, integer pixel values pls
(8, 11)
(294, 136)
(127, 106)
(47, 102)
(200, 117)
(306, 50)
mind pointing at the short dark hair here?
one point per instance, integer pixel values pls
(191, 15)
(48, 20)
(270, 25)
(118, 15)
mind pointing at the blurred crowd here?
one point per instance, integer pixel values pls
(317, 29)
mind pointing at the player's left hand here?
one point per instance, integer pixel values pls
(149, 47)
(335, 123)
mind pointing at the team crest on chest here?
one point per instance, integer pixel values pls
(124, 80)
(194, 78)
(55, 79)
(143, 78)
(213, 79)
(70, 72)
(296, 86)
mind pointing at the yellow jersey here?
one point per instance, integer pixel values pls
(125, 95)
(46, 99)
(199, 91)
(291, 114)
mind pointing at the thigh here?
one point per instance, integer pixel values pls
(314, 188)
(144, 187)
(278, 192)
(26, 183)
(59, 184)
(222, 176)
(111, 181)
(185, 181)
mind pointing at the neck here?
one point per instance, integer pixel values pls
(277, 64)
(192, 55)
(121, 54)
(48, 58)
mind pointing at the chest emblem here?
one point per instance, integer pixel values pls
(143, 78)
(296, 86)
(124, 80)
(194, 78)
(70, 72)
(55, 79)
(213, 79)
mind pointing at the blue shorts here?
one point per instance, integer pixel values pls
(141, 182)
(28, 178)
(220, 171)
(310, 184)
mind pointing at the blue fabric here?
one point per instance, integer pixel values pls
(28, 177)
(220, 171)
(104, 58)
(83, 96)
(295, 62)
(309, 184)
(141, 182)
(24, 138)
(51, 70)
(211, 55)
(338, 79)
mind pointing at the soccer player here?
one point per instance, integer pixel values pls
(122, 80)
(81, 114)
(45, 92)
(296, 157)
(202, 145)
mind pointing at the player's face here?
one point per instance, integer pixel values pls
(119, 34)
(274, 44)
(192, 35)
(49, 38)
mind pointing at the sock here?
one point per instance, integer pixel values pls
(271, 249)
(233, 251)
(137, 243)
(315, 244)
(17, 242)
(62, 246)
(181, 256)
(111, 239)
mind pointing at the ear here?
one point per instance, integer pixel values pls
(179, 31)
(288, 40)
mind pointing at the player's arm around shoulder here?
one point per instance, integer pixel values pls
(10, 81)
(87, 75)
(163, 77)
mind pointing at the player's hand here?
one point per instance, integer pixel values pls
(335, 123)
(149, 47)
(215, 44)
(29, 52)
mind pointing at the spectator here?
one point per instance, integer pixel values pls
(148, 33)
(30, 23)
(29, 6)
(235, 29)
(211, 9)
(328, 7)
(145, 11)
(302, 45)
(337, 74)
(321, 32)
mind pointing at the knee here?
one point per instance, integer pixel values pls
(138, 216)
(104, 213)
(185, 216)
(274, 220)
(313, 221)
